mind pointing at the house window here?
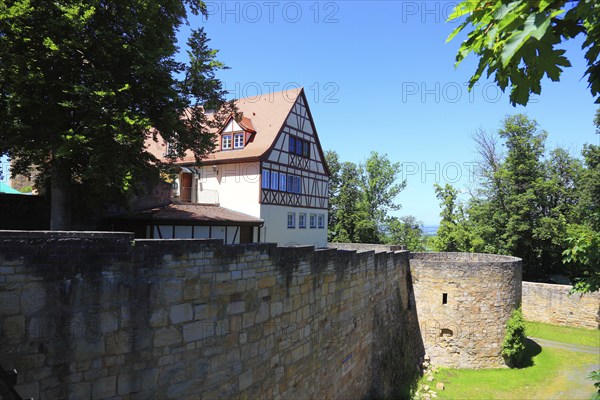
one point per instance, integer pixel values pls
(170, 151)
(299, 147)
(266, 179)
(238, 141)
(313, 221)
(226, 145)
(291, 220)
(302, 220)
(274, 180)
(294, 184)
(445, 298)
(282, 182)
(321, 221)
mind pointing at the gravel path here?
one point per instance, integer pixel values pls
(578, 376)
(577, 348)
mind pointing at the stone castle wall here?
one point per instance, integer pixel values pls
(552, 304)
(365, 247)
(98, 315)
(463, 302)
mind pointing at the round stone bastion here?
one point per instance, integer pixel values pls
(463, 301)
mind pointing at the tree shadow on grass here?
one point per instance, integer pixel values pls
(532, 349)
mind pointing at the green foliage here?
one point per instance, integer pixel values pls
(378, 180)
(83, 83)
(333, 162)
(522, 175)
(526, 199)
(582, 244)
(513, 346)
(345, 202)
(360, 198)
(542, 207)
(583, 252)
(517, 41)
(588, 206)
(595, 376)
(455, 232)
(406, 231)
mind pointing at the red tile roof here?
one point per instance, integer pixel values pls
(246, 124)
(193, 213)
(264, 114)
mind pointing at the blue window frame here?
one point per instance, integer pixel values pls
(291, 220)
(302, 220)
(294, 184)
(266, 179)
(299, 147)
(274, 180)
(282, 182)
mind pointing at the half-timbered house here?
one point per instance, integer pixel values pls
(269, 165)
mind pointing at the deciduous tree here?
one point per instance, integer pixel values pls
(542, 207)
(455, 232)
(518, 41)
(82, 84)
(361, 197)
(407, 231)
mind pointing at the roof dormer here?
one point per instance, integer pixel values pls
(235, 136)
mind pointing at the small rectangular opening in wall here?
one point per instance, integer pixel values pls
(445, 298)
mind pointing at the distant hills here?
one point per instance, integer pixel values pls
(430, 230)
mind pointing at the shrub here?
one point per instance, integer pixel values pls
(595, 376)
(513, 346)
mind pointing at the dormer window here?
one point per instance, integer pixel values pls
(235, 135)
(238, 141)
(299, 147)
(226, 145)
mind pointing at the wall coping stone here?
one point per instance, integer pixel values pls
(461, 257)
(11, 234)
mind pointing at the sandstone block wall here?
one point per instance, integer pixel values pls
(552, 304)
(365, 247)
(463, 302)
(98, 315)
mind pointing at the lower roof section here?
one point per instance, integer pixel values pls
(191, 214)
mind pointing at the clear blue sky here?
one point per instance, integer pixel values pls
(379, 77)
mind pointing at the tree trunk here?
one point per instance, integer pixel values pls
(60, 197)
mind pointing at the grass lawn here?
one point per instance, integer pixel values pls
(554, 373)
(586, 337)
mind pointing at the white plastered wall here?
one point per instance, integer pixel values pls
(276, 228)
(237, 185)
